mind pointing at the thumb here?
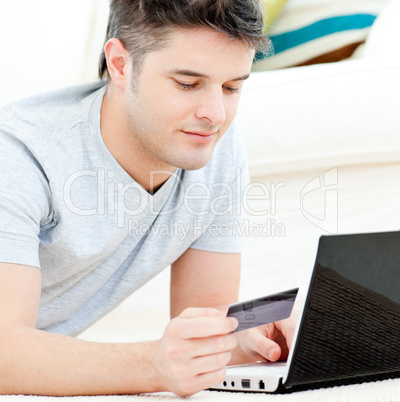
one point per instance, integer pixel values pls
(265, 347)
(287, 327)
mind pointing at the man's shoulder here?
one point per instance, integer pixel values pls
(56, 97)
(46, 113)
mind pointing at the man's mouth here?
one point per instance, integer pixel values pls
(199, 137)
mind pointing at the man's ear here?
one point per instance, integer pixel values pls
(117, 61)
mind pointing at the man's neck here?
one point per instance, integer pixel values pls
(122, 146)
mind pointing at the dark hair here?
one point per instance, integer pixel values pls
(143, 26)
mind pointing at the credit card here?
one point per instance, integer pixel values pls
(264, 310)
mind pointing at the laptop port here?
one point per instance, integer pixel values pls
(261, 385)
(245, 383)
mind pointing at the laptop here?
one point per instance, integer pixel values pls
(349, 328)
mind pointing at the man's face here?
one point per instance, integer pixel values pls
(185, 98)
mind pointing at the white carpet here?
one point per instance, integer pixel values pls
(388, 390)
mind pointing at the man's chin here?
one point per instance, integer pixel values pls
(193, 162)
(193, 165)
(191, 158)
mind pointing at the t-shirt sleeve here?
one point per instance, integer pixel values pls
(24, 201)
(225, 232)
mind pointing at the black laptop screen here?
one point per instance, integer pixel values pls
(351, 324)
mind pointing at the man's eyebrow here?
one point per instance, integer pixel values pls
(190, 73)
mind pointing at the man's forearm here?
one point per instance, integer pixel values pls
(191, 356)
(42, 363)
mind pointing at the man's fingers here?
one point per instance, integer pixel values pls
(210, 363)
(288, 326)
(193, 325)
(213, 345)
(202, 381)
(193, 312)
(205, 327)
(207, 380)
(195, 349)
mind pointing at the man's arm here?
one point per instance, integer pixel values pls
(43, 363)
(38, 362)
(204, 279)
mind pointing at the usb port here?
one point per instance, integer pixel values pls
(261, 385)
(245, 383)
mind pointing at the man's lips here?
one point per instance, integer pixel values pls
(200, 137)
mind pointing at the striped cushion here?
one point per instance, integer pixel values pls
(306, 30)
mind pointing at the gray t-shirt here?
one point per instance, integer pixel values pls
(68, 208)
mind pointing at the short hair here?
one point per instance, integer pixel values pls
(143, 26)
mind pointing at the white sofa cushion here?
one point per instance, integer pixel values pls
(383, 38)
(321, 116)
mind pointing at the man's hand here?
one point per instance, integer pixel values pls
(270, 342)
(193, 353)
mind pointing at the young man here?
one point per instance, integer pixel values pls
(89, 178)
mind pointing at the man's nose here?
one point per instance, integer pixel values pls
(212, 107)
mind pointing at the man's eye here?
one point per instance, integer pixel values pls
(184, 86)
(231, 90)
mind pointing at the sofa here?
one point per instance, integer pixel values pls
(324, 158)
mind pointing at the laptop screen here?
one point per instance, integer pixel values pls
(351, 322)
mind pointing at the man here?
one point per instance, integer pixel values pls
(91, 175)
